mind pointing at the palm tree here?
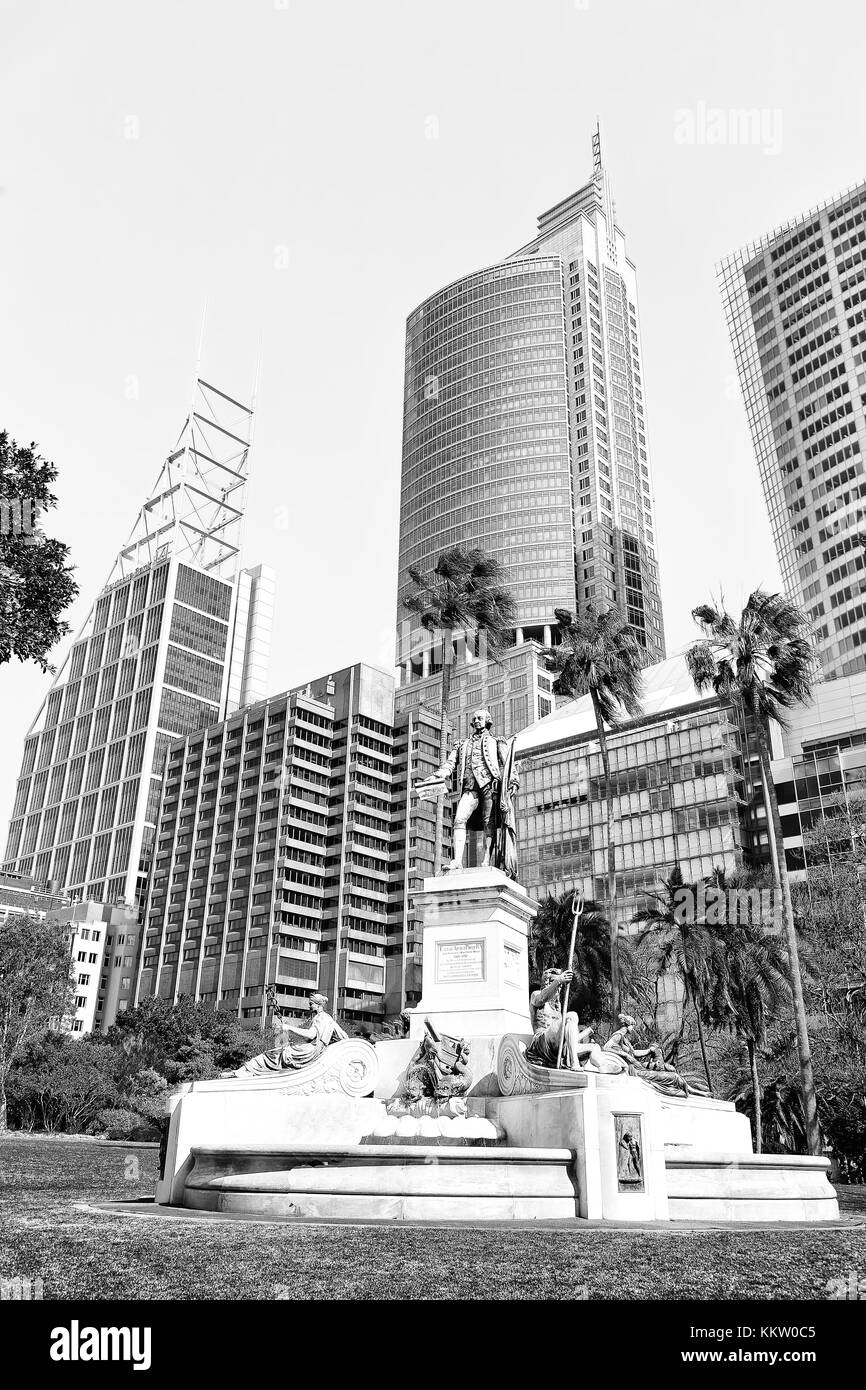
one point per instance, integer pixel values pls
(550, 938)
(753, 990)
(765, 665)
(598, 654)
(682, 945)
(466, 593)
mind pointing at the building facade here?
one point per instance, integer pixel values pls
(795, 303)
(820, 760)
(686, 791)
(176, 636)
(288, 850)
(103, 943)
(525, 430)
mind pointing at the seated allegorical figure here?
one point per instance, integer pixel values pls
(298, 1044)
(648, 1063)
(547, 1026)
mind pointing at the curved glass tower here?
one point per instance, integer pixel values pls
(524, 430)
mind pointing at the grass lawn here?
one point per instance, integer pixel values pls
(86, 1255)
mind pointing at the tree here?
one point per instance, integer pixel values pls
(36, 986)
(752, 989)
(182, 1042)
(598, 654)
(682, 946)
(549, 941)
(60, 1083)
(36, 583)
(465, 594)
(831, 906)
(764, 664)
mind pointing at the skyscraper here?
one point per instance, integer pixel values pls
(795, 303)
(177, 635)
(525, 431)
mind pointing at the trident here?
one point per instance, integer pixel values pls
(576, 913)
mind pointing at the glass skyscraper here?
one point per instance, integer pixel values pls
(525, 429)
(795, 303)
(177, 635)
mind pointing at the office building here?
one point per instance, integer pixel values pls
(177, 636)
(686, 790)
(819, 760)
(288, 849)
(517, 690)
(525, 430)
(795, 302)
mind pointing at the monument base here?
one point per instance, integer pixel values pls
(475, 978)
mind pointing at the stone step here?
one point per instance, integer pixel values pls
(715, 1186)
(383, 1182)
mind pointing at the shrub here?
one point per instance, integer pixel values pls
(117, 1124)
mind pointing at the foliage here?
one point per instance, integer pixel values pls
(466, 593)
(36, 985)
(186, 1041)
(683, 948)
(119, 1124)
(549, 941)
(598, 654)
(63, 1083)
(764, 663)
(831, 910)
(60, 1083)
(36, 583)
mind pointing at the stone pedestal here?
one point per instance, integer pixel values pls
(475, 977)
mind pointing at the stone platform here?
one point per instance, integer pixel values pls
(723, 1187)
(561, 1145)
(383, 1182)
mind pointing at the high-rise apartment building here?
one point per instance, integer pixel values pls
(524, 429)
(796, 309)
(287, 851)
(177, 635)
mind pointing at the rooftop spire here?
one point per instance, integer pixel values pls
(602, 183)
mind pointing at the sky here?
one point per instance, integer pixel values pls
(300, 174)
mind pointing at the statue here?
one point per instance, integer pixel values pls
(548, 1024)
(629, 1166)
(486, 780)
(648, 1063)
(439, 1069)
(298, 1045)
(435, 1079)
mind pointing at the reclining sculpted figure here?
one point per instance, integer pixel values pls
(649, 1063)
(298, 1044)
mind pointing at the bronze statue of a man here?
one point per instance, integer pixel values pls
(486, 781)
